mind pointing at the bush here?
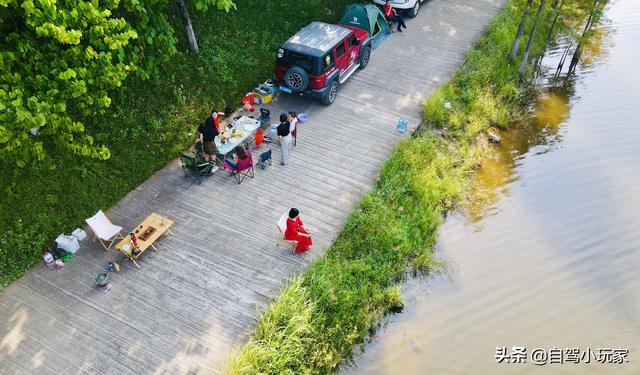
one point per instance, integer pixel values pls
(20, 247)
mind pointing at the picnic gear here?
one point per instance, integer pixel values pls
(68, 243)
(244, 127)
(195, 167)
(108, 288)
(242, 169)
(259, 137)
(79, 234)
(265, 117)
(265, 159)
(367, 17)
(262, 95)
(103, 229)
(248, 100)
(160, 223)
(116, 266)
(68, 258)
(303, 117)
(48, 258)
(111, 267)
(58, 263)
(56, 252)
(402, 125)
(280, 239)
(101, 279)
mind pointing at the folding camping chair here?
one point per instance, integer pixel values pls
(195, 167)
(242, 170)
(265, 117)
(265, 159)
(280, 240)
(104, 230)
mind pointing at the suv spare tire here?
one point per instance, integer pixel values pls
(296, 79)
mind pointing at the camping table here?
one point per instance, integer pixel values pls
(161, 225)
(245, 124)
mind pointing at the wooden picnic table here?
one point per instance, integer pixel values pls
(154, 226)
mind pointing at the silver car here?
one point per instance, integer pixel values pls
(408, 7)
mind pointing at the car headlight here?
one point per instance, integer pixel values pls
(280, 53)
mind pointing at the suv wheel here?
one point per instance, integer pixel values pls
(364, 59)
(415, 9)
(332, 93)
(296, 78)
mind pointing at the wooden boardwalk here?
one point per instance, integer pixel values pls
(200, 294)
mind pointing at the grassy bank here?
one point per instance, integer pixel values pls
(147, 124)
(340, 300)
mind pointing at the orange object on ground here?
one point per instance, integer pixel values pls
(259, 137)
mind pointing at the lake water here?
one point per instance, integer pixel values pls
(548, 256)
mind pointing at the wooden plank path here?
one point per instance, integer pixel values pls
(200, 294)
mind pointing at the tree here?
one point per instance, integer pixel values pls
(516, 40)
(58, 62)
(203, 5)
(523, 62)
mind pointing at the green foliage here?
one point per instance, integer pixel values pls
(59, 62)
(225, 5)
(19, 248)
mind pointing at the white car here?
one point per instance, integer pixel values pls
(408, 7)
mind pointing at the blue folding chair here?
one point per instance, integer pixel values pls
(265, 159)
(265, 117)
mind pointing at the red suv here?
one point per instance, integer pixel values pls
(320, 57)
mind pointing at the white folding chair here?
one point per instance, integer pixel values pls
(104, 230)
(280, 240)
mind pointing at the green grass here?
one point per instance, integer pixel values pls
(340, 300)
(148, 124)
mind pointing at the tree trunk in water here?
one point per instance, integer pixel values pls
(516, 41)
(523, 63)
(578, 52)
(191, 36)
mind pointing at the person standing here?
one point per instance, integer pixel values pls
(393, 16)
(292, 117)
(205, 139)
(214, 119)
(284, 133)
(297, 232)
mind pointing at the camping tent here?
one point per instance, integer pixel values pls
(369, 18)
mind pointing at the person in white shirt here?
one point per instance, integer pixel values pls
(292, 117)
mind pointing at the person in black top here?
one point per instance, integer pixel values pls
(284, 132)
(207, 132)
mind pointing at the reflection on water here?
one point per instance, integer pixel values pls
(548, 255)
(498, 165)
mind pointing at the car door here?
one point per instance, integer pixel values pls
(352, 50)
(341, 57)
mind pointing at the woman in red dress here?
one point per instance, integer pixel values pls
(297, 232)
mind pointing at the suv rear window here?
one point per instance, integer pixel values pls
(291, 58)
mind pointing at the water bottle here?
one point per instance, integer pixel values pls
(402, 125)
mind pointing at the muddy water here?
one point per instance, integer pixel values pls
(549, 254)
